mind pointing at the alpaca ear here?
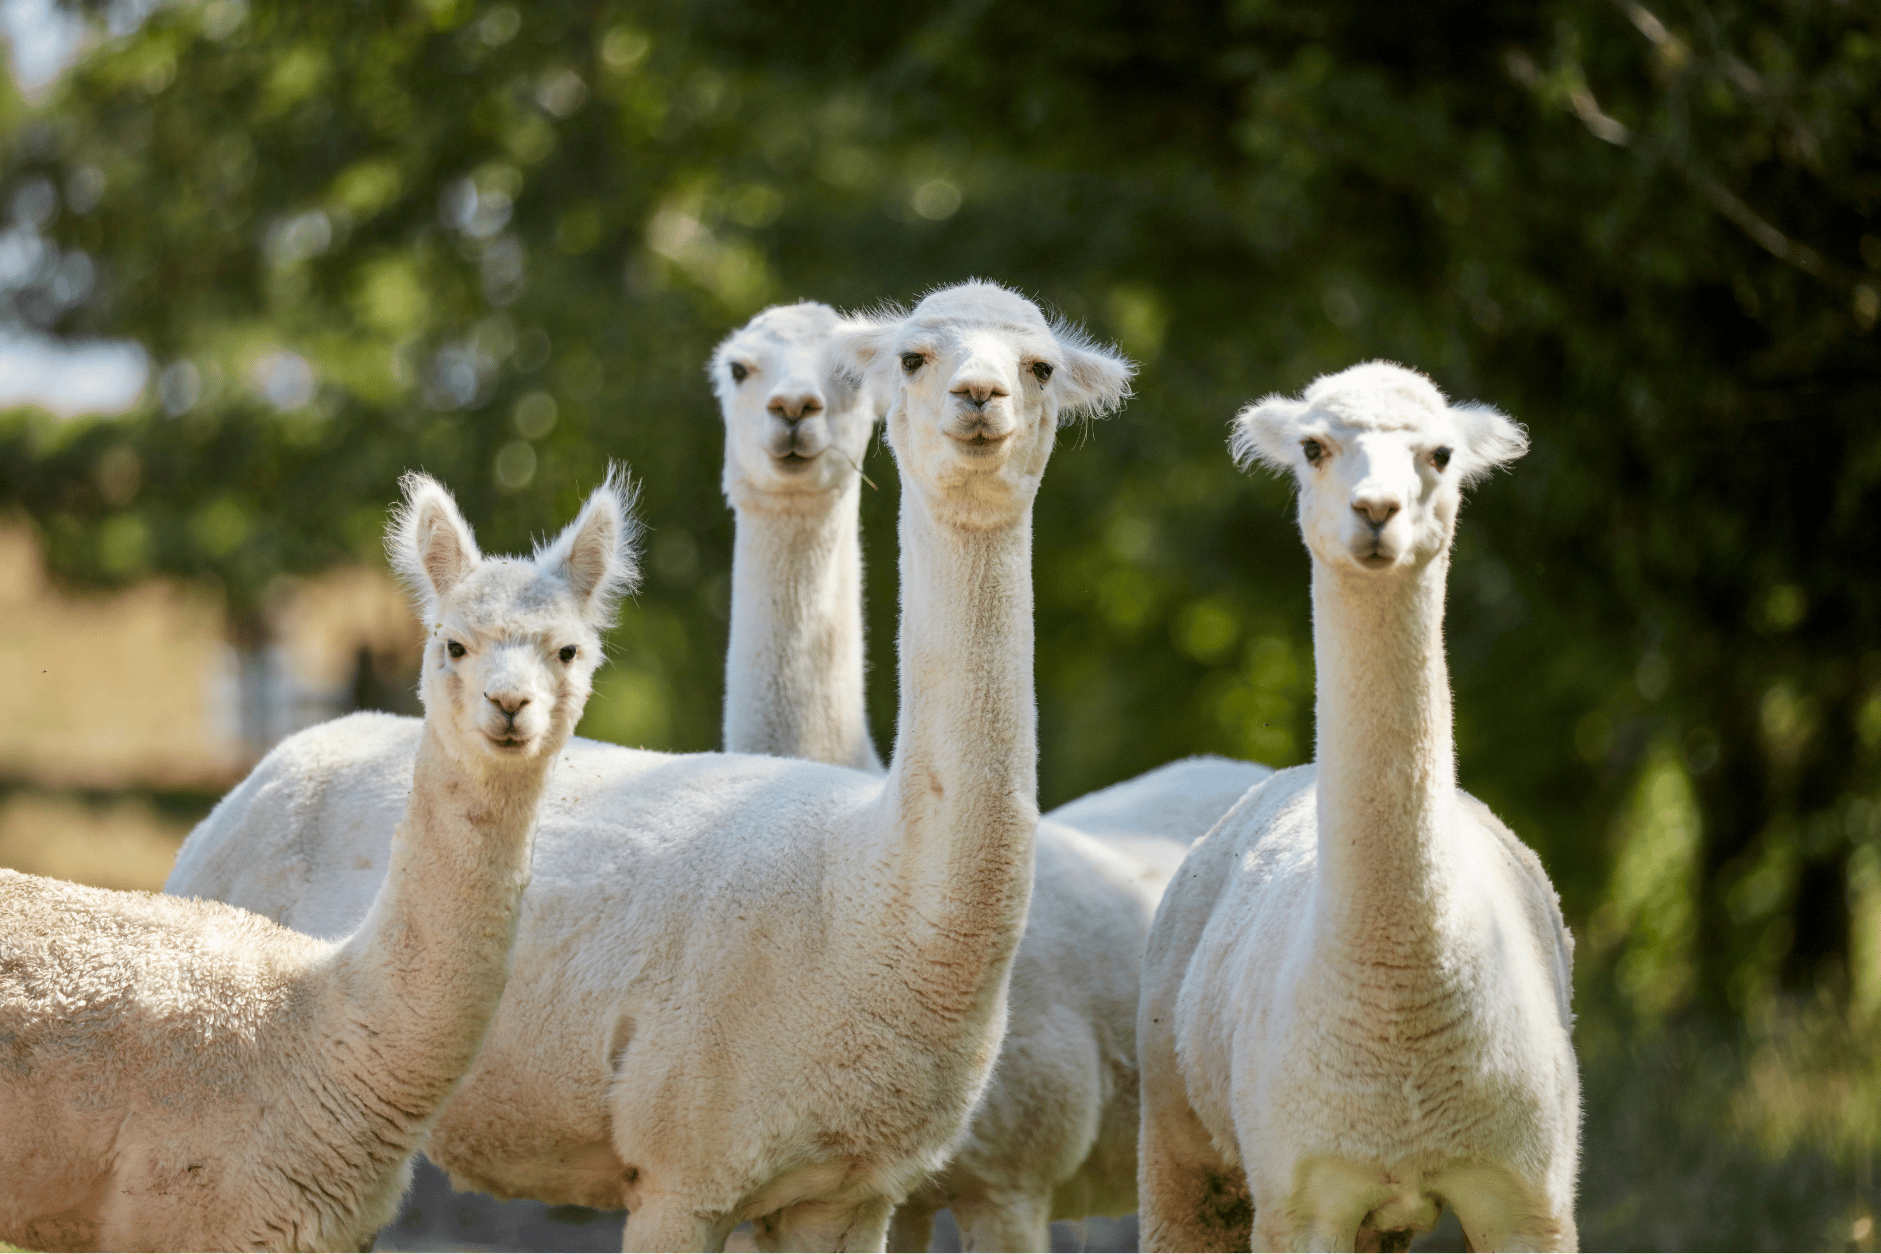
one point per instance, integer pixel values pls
(429, 543)
(1490, 437)
(1267, 431)
(849, 377)
(1097, 378)
(596, 553)
(858, 348)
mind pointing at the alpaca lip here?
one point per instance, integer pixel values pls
(793, 460)
(508, 744)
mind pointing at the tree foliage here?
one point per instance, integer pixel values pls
(498, 240)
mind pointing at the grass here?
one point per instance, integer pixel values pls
(1758, 1136)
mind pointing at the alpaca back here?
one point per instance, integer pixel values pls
(303, 839)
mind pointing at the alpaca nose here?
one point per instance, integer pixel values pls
(1375, 510)
(977, 392)
(510, 703)
(794, 407)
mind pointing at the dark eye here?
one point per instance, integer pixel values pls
(453, 648)
(1041, 370)
(568, 653)
(1313, 449)
(738, 372)
(1440, 458)
(912, 362)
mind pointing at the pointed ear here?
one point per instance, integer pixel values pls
(596, 553)
(1490, 437)
(1097, 377)
(858, 349)
(1267, 431)
(429, 543)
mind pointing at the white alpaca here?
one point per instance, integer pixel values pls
(186, 1075)
(796, 432)
(752, 987)
(1355, 1003)
(1055, 1135)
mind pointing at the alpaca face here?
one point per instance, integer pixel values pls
(1381, 459)
(977, 382)
(514, 642)
(792, 424)
(510, 661)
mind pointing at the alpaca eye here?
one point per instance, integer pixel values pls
(568, 653)
(912, 362)
(453, 648)
(738, 373)
(1313, 449)
(1041, 370)
(1440, 458)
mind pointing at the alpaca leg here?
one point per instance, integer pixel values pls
(671, 1225)
(859, 1225)
(1186, 1200)
(912, 1229)
(1499, 1211)
(1004, 1221)
(1534, 1233)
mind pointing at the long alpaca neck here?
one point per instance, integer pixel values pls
(794, 668)
(420, 980)
(964, 780)
(1386, 761)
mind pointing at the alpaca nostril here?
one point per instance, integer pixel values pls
(510, 705)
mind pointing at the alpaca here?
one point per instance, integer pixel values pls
(186, 1075)
(1356, 997)
(796, 432)
(756, 988)
(1055, 1135)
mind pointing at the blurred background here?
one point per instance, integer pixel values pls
(258, 258)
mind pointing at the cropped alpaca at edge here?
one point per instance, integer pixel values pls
(181, 1074)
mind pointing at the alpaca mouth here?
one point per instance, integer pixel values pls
(1379, 558)
(980, 442)
(793, 460)
(509, 742)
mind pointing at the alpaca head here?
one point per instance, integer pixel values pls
(1381, 459)
(794, 426)
(513, 642)
(976, 382)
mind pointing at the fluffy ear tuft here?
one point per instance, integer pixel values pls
(858, 349)
(1097, 376)
(430, 545)
(596, 553)
(1490, 436)
(1267, 431)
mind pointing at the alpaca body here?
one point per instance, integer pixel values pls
(1356, 995)
(131, 1000)
(1356, 1082)
(1155, 817)
(819, 957)
(684, 1028)
(183, 1074)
